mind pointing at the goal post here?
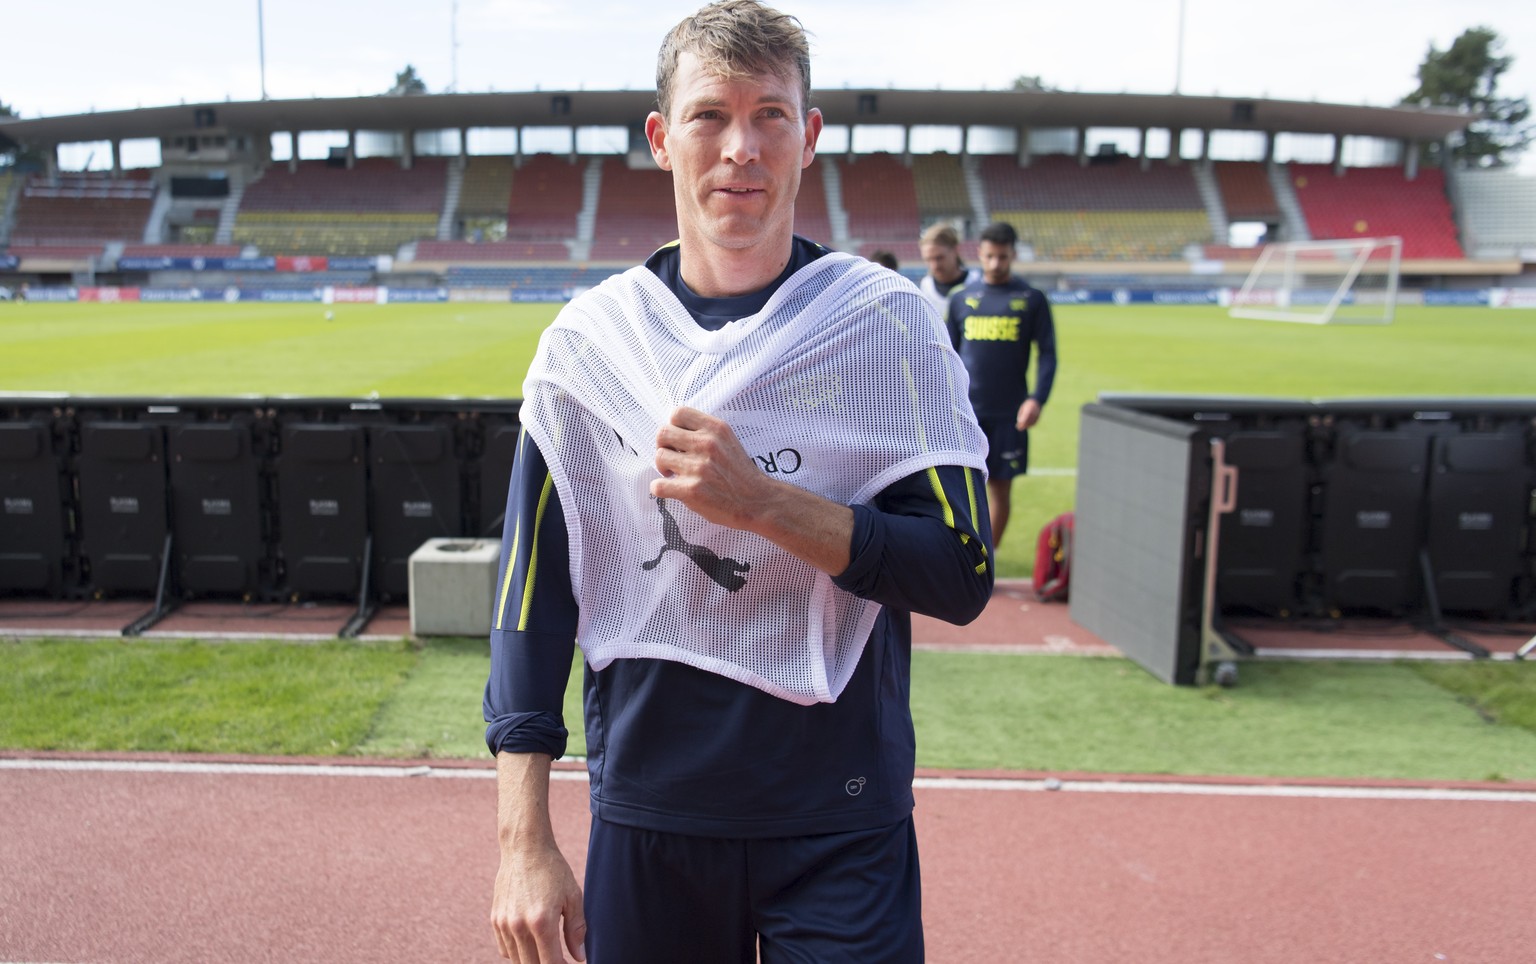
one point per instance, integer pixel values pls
(1351, 281)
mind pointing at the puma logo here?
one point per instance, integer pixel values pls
(727, 573)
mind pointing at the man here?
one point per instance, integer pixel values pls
(940, 248)
(742, 468)
(993, 322)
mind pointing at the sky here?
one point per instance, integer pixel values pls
(107, 54)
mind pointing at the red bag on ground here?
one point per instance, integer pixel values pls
(1053, 559)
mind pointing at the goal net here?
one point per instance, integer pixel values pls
(1323, 282)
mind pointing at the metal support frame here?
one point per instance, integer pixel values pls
(163, 608)
(366, 607)
(1435, 624)
(1220, 648)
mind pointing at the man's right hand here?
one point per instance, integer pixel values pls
(536, 894)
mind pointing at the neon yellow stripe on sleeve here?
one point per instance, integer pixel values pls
(533, 553)
(938, 491)
(506, 582)
(970, 494)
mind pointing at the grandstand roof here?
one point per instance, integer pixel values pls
(1002, 108)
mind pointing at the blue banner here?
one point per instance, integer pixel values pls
(181, 294)
(1080, 296)
(1465, 299)
(279, 294)
(353, 264)
(196, 264)
(538, 295)
(417, 295)
(1208, 297)
(53, 294)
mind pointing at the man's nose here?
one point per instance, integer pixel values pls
(742, 143)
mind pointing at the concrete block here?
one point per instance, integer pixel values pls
(453, 587)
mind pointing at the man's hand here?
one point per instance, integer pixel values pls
(704, 466)
(535, 893)
(1029, 414)
(535, 889)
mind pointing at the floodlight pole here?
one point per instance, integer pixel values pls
(261, 47)
(1178, 69)
(453, 39)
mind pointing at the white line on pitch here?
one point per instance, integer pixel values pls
(1032, 785)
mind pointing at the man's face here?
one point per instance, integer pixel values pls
(943, 262)
(735, 149)
(996, 262)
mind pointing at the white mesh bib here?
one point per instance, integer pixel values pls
(842, 384)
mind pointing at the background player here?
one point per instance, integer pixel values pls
(940, 248)
(993, 322)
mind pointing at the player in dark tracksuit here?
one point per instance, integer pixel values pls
(722, 790)
(993, 324)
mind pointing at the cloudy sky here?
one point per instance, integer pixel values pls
(108, 54)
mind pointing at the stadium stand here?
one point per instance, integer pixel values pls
(1498, 211)
(9, 181)
(33, 255)
(484, 197)
(83, 207)
(1245, 191)
(1374, 202)
(940, 185)
(635, 213)
(541, 278)
(545, 199)
(323, 209)
(181, 251)
(811, 217)
(880, 198)
(460, 252)
(1100, 211)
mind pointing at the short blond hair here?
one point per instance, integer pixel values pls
(736, 39)
(943, 235)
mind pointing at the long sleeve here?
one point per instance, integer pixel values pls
(1045, 341)
(533, 630)
(918, 547)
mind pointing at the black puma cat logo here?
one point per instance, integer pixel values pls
(727, 573)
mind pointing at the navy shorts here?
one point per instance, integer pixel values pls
(1007, 446)
(661, 898)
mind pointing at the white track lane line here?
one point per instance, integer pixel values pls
(1031, 785)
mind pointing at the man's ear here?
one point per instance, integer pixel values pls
(656, 136)
(813, 123)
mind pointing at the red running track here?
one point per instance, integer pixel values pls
(207, 862)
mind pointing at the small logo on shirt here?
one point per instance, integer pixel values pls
(786, 461)
(854, 786)
(727, 573)
(823, 391)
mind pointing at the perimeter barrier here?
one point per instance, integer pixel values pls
(249, 498)
(1192, 511)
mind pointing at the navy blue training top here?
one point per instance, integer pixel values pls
(681, 750)
(993, 327)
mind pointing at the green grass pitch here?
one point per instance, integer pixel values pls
(472, 349)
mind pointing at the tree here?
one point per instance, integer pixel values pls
(1466, 76)
(1027, 82)
(406, 82)
(9, 151)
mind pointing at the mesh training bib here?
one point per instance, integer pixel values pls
(842, 384)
